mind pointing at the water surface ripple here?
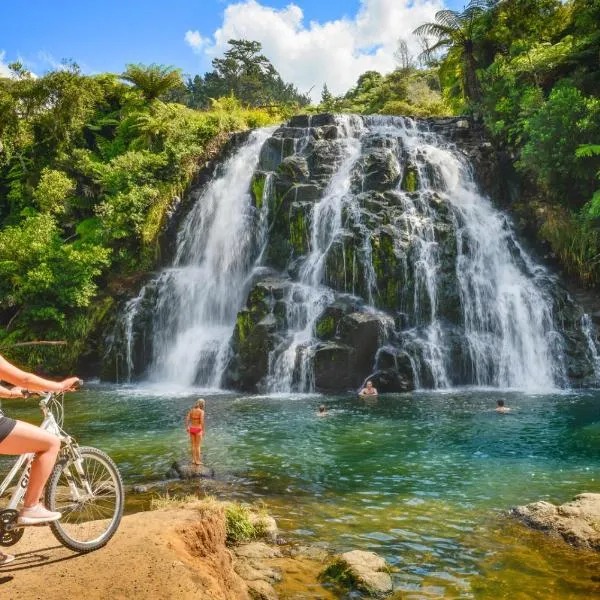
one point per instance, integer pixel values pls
(423, 479)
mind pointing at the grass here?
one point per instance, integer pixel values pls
(242, 522)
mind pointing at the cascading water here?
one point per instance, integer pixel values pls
(308, 298)
(197, 298)
(505, 314)
(588, 330)
(377, 254)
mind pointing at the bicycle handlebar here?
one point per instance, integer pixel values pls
(36, 393)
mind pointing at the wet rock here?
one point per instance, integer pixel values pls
(261, 590)
(394, 371)
(364, 332)
(256, 333)
(267, 525)
(392, 380)
(576, 522)
(306, 192)
(254, 570)
(410, 178)
(315, 553)
(184, 470)
(360, 571)
(381, 170)
(334, 367)
(257, 550)
(294, 169)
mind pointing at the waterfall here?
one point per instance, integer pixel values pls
(371, 249)
(308, 298)
(197, 298)
(588, 331)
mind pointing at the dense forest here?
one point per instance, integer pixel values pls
(90, 164)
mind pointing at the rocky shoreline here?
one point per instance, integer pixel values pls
(576, 522)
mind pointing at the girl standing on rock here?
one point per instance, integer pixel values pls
(194, 424)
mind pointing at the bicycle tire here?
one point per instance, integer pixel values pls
(61, 529)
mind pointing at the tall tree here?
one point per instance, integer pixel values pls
(245, 73)
(153, 80)
(454, 30)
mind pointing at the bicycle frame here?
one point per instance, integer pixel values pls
(24, 461)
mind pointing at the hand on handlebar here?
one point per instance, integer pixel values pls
(71, 384)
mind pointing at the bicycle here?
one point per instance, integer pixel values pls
(85, 486)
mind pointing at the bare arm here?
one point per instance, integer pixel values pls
(202, 421)
(14, 393)
(29, 381)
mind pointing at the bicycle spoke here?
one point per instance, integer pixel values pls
(87, 516)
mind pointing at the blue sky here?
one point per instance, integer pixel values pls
(105, 36)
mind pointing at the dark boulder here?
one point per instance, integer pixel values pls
(391, 380)
(380, 170)
(334, 367)
(364, 332)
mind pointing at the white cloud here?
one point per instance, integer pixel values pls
(333, 52)
(195, 40)
(4, 70)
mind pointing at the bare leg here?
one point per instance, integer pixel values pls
(196, 451)
(200, 438)
(26, 438)
(193, 449)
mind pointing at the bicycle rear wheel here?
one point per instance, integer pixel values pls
(91, 503)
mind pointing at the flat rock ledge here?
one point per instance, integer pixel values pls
(360, 571)
(184, 470)
(577, 522)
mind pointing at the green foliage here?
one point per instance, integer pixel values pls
(238, 524)
(44, 281)
(455, 30)
(592, 208)
(153, 80)
(530, 70)
(53, 191)
(107, 158)
(406, 91)
(340, 574)
(248, 75)
(575, 240)
(566, 120)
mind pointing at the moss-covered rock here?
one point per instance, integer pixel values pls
(256, 334)
(299, 227)
(410, 178)
(360, 571)
(257, 188)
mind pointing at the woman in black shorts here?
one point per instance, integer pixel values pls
(17, 437)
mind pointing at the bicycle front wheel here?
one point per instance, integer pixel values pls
(90, 499)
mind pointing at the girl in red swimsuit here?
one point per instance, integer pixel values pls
(194, 424)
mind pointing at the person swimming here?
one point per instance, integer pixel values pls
(322, 411)
(500, 407)
(194, 424)
(368, 390)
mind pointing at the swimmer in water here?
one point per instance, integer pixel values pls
(500, 408)
(368, 390)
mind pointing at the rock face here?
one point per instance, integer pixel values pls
(360, 571)
(577, 522)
